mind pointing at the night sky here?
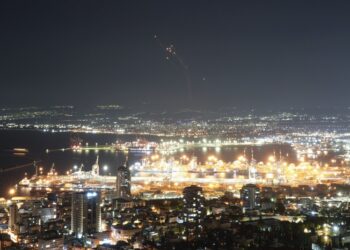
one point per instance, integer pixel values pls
(234, 53)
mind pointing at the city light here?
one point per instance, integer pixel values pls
(226, 128)
(12, 191)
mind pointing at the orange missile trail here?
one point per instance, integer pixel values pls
(171, 54)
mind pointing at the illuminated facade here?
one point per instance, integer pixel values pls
(86, 213)
(123, 182)
(193, 204)
(250, 195)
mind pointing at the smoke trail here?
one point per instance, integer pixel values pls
(171, 55)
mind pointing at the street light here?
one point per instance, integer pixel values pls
(12, 191)
(105, 168)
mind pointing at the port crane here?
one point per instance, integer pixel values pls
(7, 169)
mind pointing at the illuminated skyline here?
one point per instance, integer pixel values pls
(174, 124)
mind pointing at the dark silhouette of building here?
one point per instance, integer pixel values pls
(250, 195)
(194, 210)
(13, 216)
(123, 182)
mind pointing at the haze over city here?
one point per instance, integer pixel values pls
(174, 125)
(244, 54)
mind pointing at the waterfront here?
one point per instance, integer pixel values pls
(38, 142)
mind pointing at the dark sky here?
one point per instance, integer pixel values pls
(239, 53)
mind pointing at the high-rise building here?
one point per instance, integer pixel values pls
(193, 204)
(13, 216)
(86, 212)
(123, 182)
(250, 195)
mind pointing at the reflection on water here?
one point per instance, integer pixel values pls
(38, 142)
